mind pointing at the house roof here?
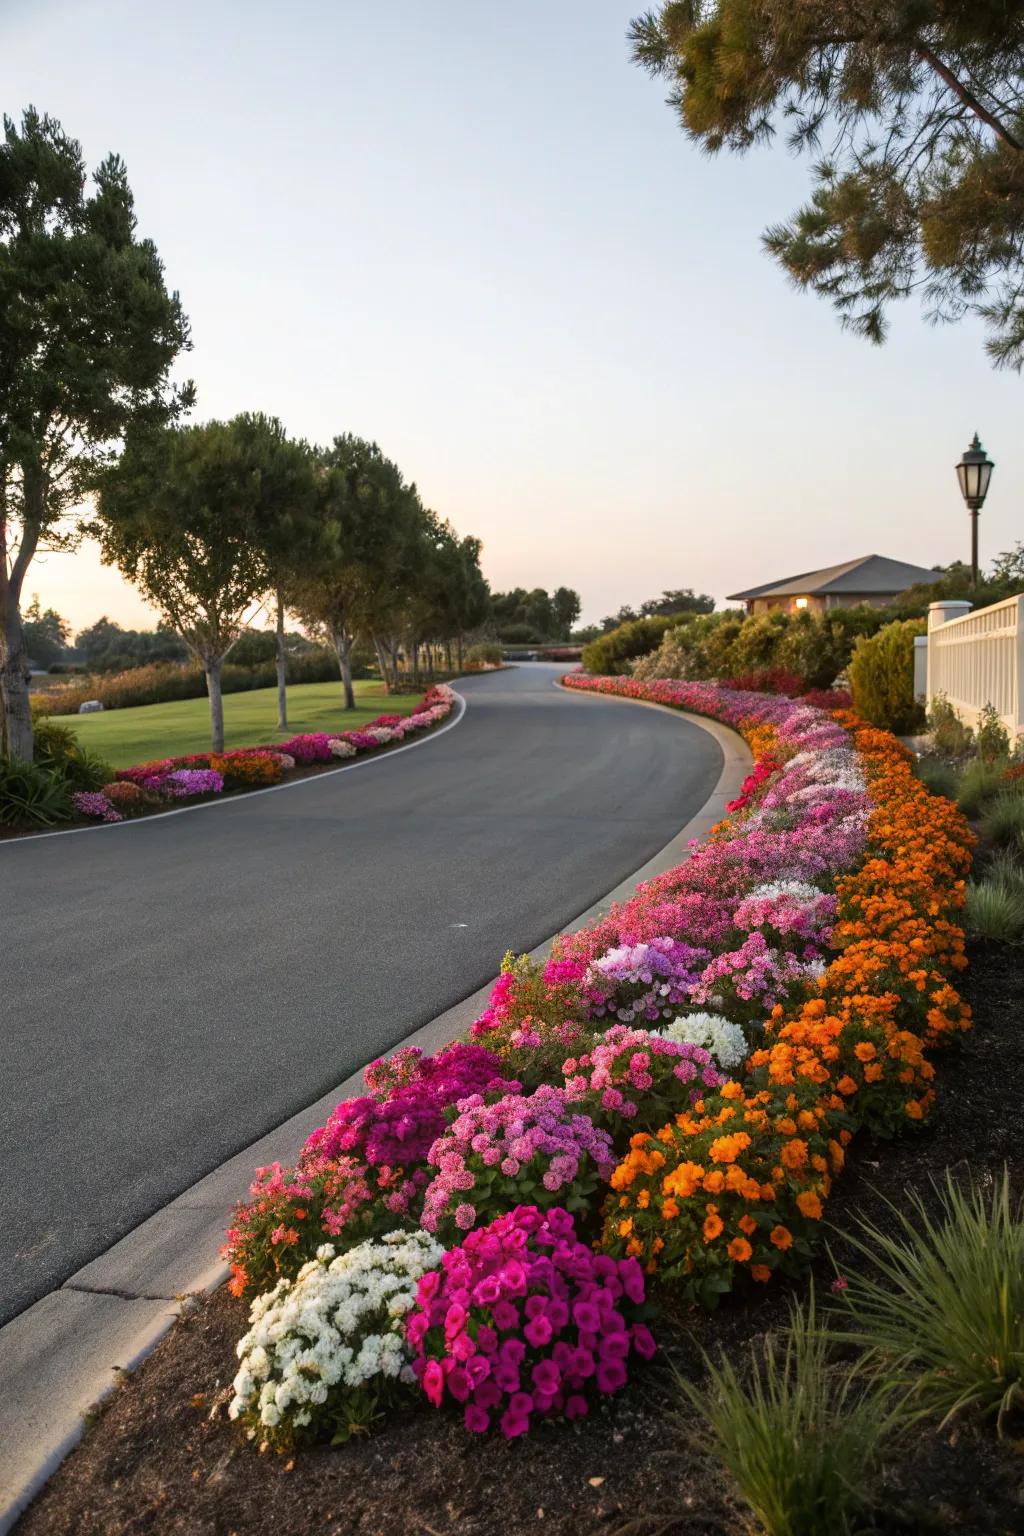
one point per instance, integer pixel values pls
(870, 576)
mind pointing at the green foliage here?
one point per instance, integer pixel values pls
(991, 738)
(613, 652)
(939, 776)
(979, 783)
(58, 750)
(1005, 579)
(939, 1309)
(950, 736)
(995, 911)
(520, 617)
(109, 648)
(675, 600)
(32, 795)
(88, 336)
(801, 1438)
(814, 647)
(46, 634)
(485, 654)
(1002, 819)
(882, 677)
(921, 186)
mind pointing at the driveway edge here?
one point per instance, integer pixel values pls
(64, 1354)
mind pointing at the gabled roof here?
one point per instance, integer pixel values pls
(871, 575)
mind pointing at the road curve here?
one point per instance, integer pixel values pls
(172, 990)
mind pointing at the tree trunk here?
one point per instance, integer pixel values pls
(458, 652)
(14, 680)
(343, 648)
(448, 657)
(282, 675)
(414, 657)
(393, 649)
(382, 662)
(212, 667)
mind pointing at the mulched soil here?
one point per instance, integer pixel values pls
(162, 1457)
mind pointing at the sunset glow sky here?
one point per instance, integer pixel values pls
(475, 233)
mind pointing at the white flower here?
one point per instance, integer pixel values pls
(725, 1042)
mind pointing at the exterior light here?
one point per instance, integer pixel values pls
(974, 472)
(801, 602)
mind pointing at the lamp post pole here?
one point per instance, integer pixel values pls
(974, 472)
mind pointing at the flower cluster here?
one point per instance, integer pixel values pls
(648, 980)
(325, 1351)
(724, 1041)
(180, 778)
(536, 1150)
(523, 1321)
(637, 1079)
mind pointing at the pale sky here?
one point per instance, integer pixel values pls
(474, 232)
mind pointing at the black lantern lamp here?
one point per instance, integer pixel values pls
(974, 472)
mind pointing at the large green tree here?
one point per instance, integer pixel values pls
(914, 112)
(181, 513)
(88, 334)
(46, 633)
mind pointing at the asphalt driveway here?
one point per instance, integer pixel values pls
(172, 989)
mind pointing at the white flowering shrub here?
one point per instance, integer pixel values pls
(725, 1042)
(340, 748)
(326, 1351)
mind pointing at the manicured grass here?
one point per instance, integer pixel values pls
(126, 736)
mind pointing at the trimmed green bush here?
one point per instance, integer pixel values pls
(882, 677)
(486, 653)
(612, 653)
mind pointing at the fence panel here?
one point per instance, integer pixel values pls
(976, 659)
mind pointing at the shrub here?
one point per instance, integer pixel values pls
(32, 795)
(882, 677)
(939, 1309)
(801, 1438)
(532, 1150)
(994, 911)
(247, 770)
(612, 653)
(486, 653)
(57, 749)
(1002, 819)
(164, 681)
(524, 1321)
(326, 1352)
(992, 739)
(950, 736)
(939, 776)
(766, 680)
(979, 784)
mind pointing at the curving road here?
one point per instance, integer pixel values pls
(172, 989)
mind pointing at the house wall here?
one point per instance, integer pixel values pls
(818, 604)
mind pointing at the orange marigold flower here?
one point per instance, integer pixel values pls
(913, 1110)
(669, 1210)
(714, 1182)
(747, 1224)
(794, 1154)
(728, 1148)
(864, 1050)
(713, 1225)
(809, 1205)
(761, 1273)
(846, 1085)
(740, 1250)
(782, 1237)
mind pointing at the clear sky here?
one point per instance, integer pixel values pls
(474, 232)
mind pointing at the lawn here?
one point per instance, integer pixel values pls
(126, 736)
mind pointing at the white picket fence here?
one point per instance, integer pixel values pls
(977, 658)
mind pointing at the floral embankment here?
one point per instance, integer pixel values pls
(158, 785)
(654, 1117)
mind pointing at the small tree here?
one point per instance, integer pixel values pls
(88, 333)
(180, 516)
(286, 529)
(914, 110)
(46, 633)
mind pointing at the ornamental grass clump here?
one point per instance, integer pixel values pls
(938, 1308)
(1002, 821)
(523, 1321)
(631, 1080)
(535, 1149)
(325, 1354)
(801, 1438)
(994, 911)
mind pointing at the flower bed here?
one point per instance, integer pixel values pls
(147, 787)
(674, 1091)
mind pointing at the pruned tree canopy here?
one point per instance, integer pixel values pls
(914, 112)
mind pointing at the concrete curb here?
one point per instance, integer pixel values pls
(65, 1353)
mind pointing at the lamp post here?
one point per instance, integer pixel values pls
(974, 472)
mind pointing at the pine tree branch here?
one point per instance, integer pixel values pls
(968, 97)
